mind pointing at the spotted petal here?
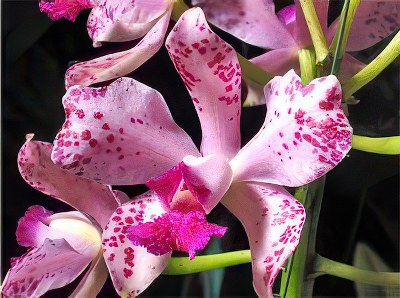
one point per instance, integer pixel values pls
(305, 133)
(120, 20)
(253, 21)
(273, 220)
(121, 63)
(50, 266)
(41, 173)
(211, 73)
(373, 21)
(132, 268)
(119, 134)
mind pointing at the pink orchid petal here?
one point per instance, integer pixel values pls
(121, 20)
(38, 170)
(111, 135)
(50, 266)
(131, 267)
(273, 220)
(373, 21)
(211, 73)
(69, 9)
(93, 280)
(39, 224)
(207, 179)
(253, 21)
(301, 32)
(305, 133)
(33, 226)
(278, 62)
(186, 232)
(121, 63)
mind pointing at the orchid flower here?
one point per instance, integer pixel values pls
(286, 32)
(114, 21)
(62, 244)
(127, 136)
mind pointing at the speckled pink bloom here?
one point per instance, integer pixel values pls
(114, 21)
(62, 245)
(124, 134)
(255, 22)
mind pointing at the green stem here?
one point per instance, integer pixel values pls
(339, 40)
(293, 281)
(338, 45)
(317, 35)
(253, 72)
(373, 69)
(182, 265)
(322, 266)
(307, 65)
(179, 8)
(387, 145)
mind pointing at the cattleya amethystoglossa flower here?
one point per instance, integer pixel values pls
(127, 136)
(255, 22)
(114, 21)
(62, 245)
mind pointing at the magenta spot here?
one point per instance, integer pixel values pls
(195, 100)
(140, 121)
(80, 114)
(202, 50)
(127, 272)
(129, 220)
(110, 138)
(93, 143)
(105, 126)
(121, 157)
(307, 89)
(307, 137)
(98, 115)
(228, 88)
(325, 105)
(281, 134)
(133, 120)
(285, 146)
(121, 130)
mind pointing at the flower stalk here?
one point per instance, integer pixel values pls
(317, 35)
(387, 145)
(373, 69)
(182, 265)
(322, 266)
(338, 45)
(307, 65)
(179, 8)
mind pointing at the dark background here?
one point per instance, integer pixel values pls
(361, 200)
